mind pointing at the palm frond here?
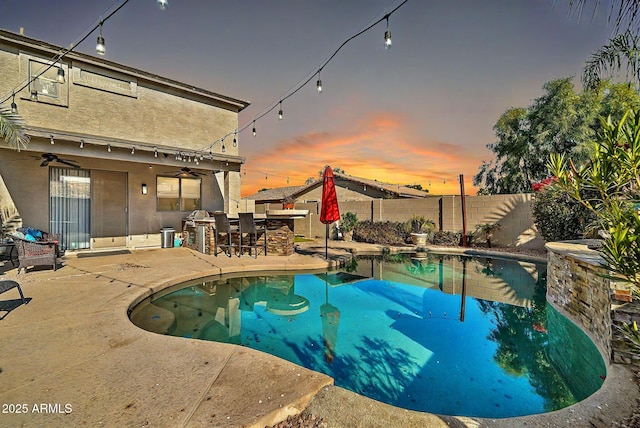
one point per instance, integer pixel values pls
(12, 129)
(623, 13)
(622, 50)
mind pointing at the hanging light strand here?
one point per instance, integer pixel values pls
(56, 60)
(309, 77)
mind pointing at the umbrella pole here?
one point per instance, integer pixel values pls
(326, 242)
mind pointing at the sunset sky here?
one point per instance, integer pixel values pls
(420, 112)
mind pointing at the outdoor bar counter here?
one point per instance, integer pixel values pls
(198, 234)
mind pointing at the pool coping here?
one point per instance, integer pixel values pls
(72, 348)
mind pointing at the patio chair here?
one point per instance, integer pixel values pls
(9, 305)
(248, 227)
(223, 234)
(37, 253)
(8, 285)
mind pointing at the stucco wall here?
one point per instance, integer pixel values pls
(148, 113)
(27, 187)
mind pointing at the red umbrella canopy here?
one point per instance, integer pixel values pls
(329, 211)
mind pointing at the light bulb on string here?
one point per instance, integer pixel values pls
(51, 137)
(133, 150)
(162, 4)
(319, 83)
(235, 141)
(34, 95)
(223, 147)
(387, 35)
(109, 148)
(254, 128)
(82, 144)
(155, 152)
(280, 115)
(60, 77)
(14, 106)
(100, 47)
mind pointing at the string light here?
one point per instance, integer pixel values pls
(62, 53)
(109, 148)
(34, 95)
(133, 150)
(155, 152)
(60, 77)
(100, 47)
(235, 141)
(82, 144)
(387, 35)
(304, 82)
(14, 106)
(319, 83)
(162, 4)
(51, 137)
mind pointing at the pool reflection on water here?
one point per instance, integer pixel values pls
(452, 335)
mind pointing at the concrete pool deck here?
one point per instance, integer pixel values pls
(73, 348)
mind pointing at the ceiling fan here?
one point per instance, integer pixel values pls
(184, 171)
(47, 158)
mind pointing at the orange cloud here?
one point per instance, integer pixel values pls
(381, 147)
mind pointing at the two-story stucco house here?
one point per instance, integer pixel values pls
(116, 153)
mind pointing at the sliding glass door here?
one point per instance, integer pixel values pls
(70, 207)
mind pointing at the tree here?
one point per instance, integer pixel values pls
(337, 170)
(417, 187)
(12, 129)
(560, 121)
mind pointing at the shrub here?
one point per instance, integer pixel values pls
(444, 237)
(419, 224)
(558, 216)
(349, 221)
(380, 232)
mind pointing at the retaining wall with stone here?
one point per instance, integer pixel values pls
(576, 285)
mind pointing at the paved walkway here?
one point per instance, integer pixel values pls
(71, 356)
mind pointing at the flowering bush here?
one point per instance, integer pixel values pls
(557, 216)
(538, 186)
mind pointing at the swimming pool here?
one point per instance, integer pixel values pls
(444, 334)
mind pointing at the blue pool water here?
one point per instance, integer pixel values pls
(448, 334)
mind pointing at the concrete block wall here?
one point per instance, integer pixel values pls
(512, 212)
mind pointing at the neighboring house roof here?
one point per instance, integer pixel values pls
(394, 190)
(397, 190)
(276, 194)
(38, 45)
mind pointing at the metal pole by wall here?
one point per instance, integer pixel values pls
(464, 212)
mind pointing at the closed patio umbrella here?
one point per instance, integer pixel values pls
(329, 212)
(330, 319)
